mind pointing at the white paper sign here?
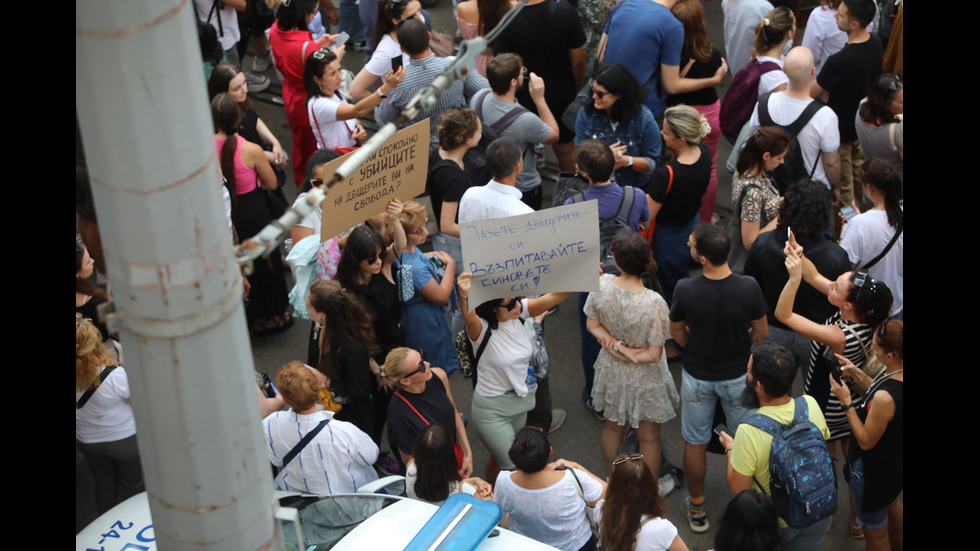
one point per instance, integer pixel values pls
(552, 250)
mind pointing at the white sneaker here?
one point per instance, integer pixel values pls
(666, 484)
(260, 64)
(557, 419)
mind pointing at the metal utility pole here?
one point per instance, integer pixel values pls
(143, 111)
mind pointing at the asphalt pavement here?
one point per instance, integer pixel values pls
(579, 438)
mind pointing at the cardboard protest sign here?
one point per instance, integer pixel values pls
(552, 250)
(397, 169)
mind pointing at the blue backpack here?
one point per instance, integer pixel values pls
(803, 482)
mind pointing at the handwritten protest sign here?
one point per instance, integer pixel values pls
(552, 250)
(398, 169)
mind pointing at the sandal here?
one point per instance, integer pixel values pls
(857, 531)
(280, 324)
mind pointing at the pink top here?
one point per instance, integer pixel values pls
(246, 179)
(469, 31)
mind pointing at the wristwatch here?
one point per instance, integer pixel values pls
(629, 164)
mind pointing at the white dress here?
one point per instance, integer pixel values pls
(624, 391)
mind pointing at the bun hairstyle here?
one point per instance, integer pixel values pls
(632, 254)
(872, 300)
(687, 123)
(772, 30)
(457, 127)
(530, 450)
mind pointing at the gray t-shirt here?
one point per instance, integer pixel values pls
(527, 128)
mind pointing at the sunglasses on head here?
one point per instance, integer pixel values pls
(631, 457)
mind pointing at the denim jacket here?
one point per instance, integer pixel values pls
(640, 134)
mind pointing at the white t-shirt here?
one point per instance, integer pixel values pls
(865, 236)
(228, 33)
(821, 134)
(554, 515)
(329, 132)
(380, 62)
(773, 79)
(656, 535)
(505, 361)
(455, 487)
(107, 416)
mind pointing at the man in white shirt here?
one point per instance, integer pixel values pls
(821, 135)
(339, 457)
(500, 198)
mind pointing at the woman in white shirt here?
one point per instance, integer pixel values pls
(546, 502)
(105, 430)
(390, 14)
(505, 385)
(432, 473)
(334, 121)
(771, 36)
(632, 515)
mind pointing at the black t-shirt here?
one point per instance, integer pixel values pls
(719, 313)
(767, 264)
(446, 184)
(690, 183)
(404, 425)
(704, 96)
(542, 35)
(846, 76)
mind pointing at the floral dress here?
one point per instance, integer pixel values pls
(624, 391)
(761, 202)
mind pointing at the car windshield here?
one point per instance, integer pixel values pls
(327, 519)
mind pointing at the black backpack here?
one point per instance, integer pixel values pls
(793, 168)
(475, 159)
(609, 227)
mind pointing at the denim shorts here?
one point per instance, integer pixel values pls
(869, 519)
(698, 400)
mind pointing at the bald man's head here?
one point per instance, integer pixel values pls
(798, 66)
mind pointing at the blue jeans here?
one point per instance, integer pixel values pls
(350, 21)
(698, 399)
(869, 519)
(672, 254)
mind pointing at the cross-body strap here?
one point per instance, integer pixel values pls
(302, 443)
(88, 393)
(887, 248)
(424, 420)
(483, 346)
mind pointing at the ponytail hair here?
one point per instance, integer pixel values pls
(767, 139)
(880, 175)
(226, 115)
(772, 29)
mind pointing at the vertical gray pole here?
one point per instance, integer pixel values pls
(145, 122)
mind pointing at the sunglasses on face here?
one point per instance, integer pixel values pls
(421, 368)
(510, 305)
(374, 258)
(597, 93)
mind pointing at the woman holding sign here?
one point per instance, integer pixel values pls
(425, 283)
(505, 384)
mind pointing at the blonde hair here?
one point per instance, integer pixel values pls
(687, 123)
(394, 368)
(413, 216)
(90, 353)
